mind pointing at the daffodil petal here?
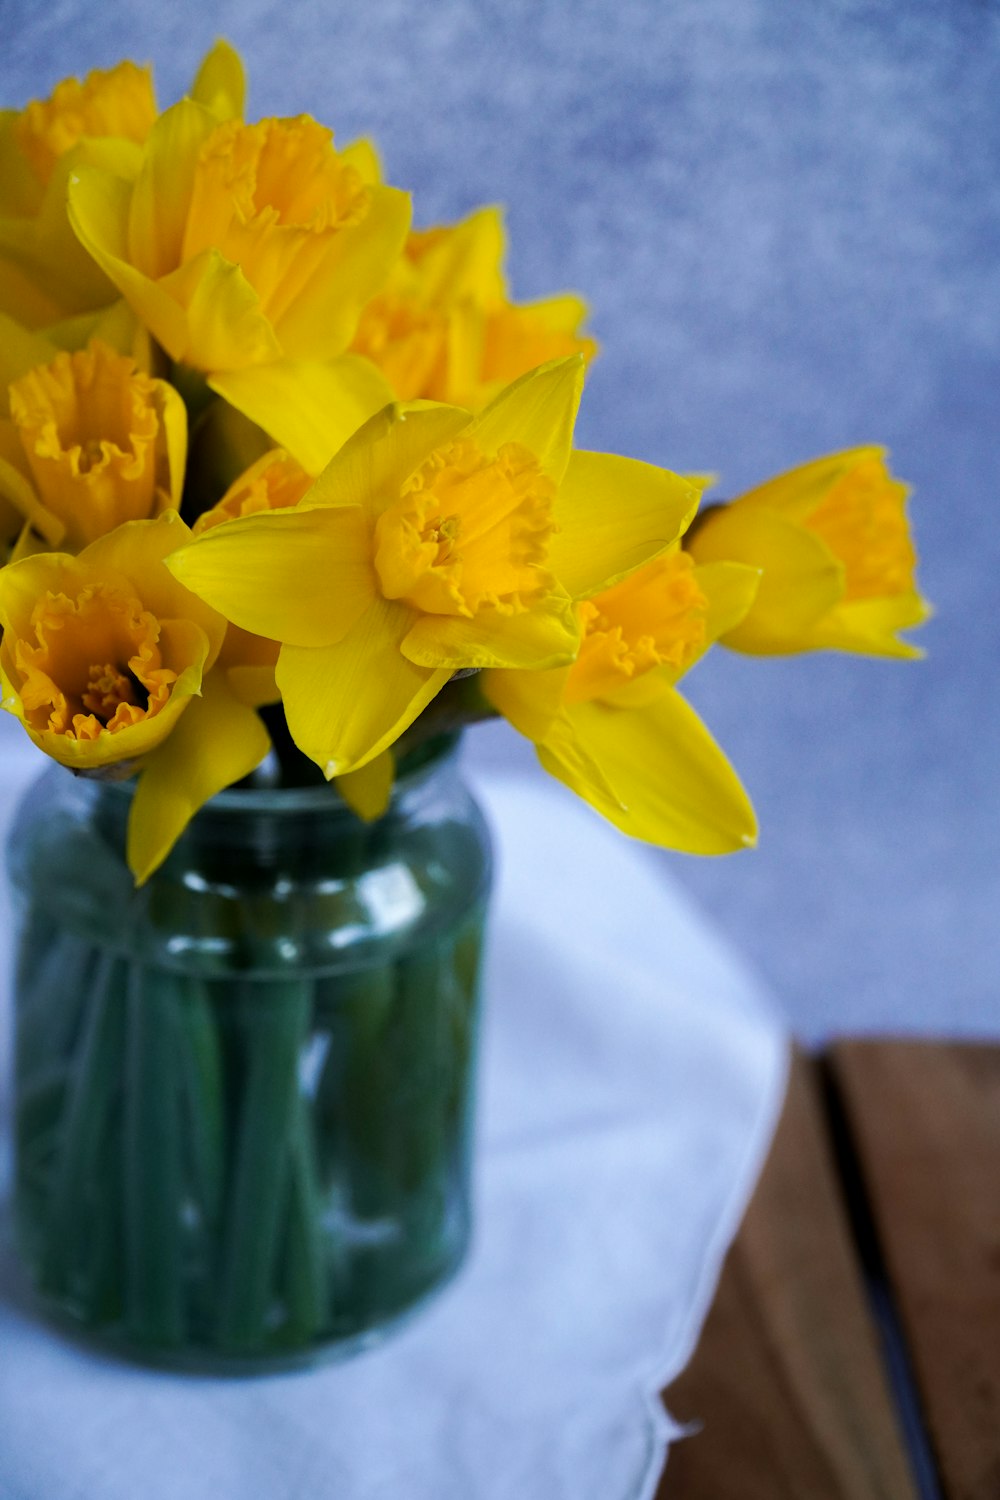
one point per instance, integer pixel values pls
(158, 207)
(730, 589)
(800, 577)
(538, 410)
(139, 551)
(347, 703)
(220, 82)
(217, 741)
(181, 641)
(368, 790)
(16, 490)
(323, 318)
(98, 211)
(21, 585)
(796, 493)
(255, 686)
(371, 467)
(21, 294)
(20, 190)
(561, 314)
(467, 262)
(546, 634)
(614, 514)
(173, 414)
(677, 788)
(249, 662)
(309, 408)
(530, 701)
(115, 325)
(224, 327)
(298, 576)
(20, 351)
(363, 156)
(564, 755)
(869, 626)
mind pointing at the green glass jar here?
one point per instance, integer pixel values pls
(243, 1091)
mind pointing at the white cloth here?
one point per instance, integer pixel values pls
(632, 1075)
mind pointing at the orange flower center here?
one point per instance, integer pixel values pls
(94, 665)
(408, 342)
(274, 482)
(468, 532)
(654, 617)
(116, 102)
(89, 426)
(269, 197)
(862, 519)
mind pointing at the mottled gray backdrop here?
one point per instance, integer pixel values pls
(787, 219)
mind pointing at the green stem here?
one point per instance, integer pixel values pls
(307, 1293)
(153, 1194)
(358, 1096)
(267, 1119)
(85, 1120)
(202, 1093)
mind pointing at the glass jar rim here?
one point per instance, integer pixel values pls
(412, 771)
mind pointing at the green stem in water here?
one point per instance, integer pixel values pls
(307, 1289)
(267, 1119)
(83, 1127)
(153, 1180)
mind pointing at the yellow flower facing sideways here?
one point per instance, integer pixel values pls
(434, 541)
(87, 441)
(102, 121)
(108, 661)
(612, 725)
(274, 482)
(277, 482)
(239, 245)
(444, 327)
(833, 545)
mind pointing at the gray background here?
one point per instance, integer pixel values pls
(786, 217)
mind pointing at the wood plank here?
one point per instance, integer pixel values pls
(926, 1121)
(787, 1381)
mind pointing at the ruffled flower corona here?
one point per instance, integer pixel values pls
(87, 441)
(101, 121)
(433, 542)
(836, 559)
(239, 245)
(612, 725)
(444, 327)
(109, 662)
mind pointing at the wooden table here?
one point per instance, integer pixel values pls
(853, 1349)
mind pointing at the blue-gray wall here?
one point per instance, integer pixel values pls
(787, 219)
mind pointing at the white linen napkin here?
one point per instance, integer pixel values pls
(631, 1078)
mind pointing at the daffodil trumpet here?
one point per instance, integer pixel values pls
(107, 660)
(612, 725)
(435, 541)
(836, 559)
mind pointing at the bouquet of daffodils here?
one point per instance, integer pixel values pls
(284, 481)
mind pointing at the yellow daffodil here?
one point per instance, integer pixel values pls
(274, 482)
(87, 441)
(238, 245)
(613, 727)
(434, 541)
(103, 122)
(444, 327)
(837, 562)
(108, 661)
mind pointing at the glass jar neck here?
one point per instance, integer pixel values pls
(266, 825)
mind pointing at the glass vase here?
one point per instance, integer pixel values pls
(243, 1091)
